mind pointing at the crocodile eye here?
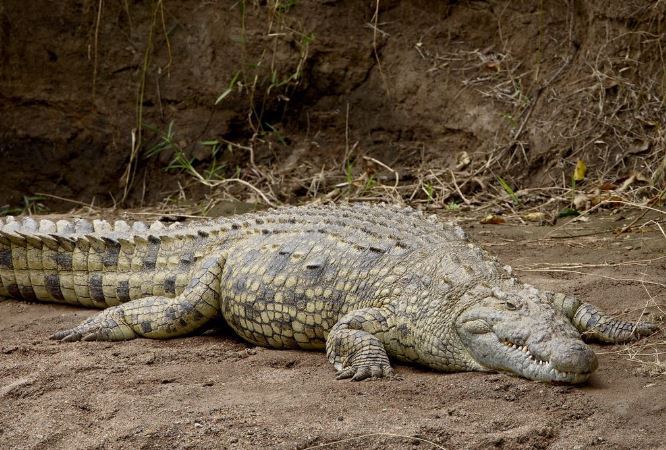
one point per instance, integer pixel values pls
(510, 306)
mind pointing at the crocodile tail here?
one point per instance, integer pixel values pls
(92, 263)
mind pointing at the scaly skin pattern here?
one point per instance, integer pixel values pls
(367, 283)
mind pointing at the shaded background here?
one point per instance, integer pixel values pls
(115, 102)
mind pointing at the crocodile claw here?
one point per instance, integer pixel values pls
(363, 372)
(105, 326)
(72, 334)
(83, 332)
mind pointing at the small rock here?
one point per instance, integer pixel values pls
(498, 442)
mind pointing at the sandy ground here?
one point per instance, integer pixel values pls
(215, 391)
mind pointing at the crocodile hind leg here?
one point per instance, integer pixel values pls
(354, 346)
(156, 317)
(595, 324)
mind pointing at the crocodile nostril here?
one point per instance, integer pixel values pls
(572, 355)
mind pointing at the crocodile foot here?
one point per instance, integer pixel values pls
(108, 325)
(365, 371)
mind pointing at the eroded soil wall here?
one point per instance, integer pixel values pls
(88, 87)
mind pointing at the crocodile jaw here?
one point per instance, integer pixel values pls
(531, 340)
(534, 368)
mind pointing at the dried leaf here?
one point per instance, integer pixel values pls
(493, 219)
(639, 146)
(607, 186)
(628, 182)
(580, 170)
(609, 83)
(581, 202)
(462, 160)
(595, 199)
(493, 66)
(535, 217)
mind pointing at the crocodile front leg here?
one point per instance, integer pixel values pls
(156, 317)
(596, 324)
(354, 345)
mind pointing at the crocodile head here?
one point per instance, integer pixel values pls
(515, 329)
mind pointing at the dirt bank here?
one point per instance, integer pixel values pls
(88, 88)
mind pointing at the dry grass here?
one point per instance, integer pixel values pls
(596, 108)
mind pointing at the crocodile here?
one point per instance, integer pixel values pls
(366, 283)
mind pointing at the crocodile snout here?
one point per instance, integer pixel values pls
(572, 355)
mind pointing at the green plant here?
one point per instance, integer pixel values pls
(284, 6)
(182, 162)
(370, 183)
(137, 132)
(429, 190)
(349, 173)
(452, 206)
(166, 141)
(513, 123)
(259, 80)
(275, 134)
(215, 171)
(229, 89)
(508, 190)
(31, 205)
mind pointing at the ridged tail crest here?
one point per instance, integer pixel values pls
(93, 262)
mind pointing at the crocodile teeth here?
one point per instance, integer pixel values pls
(524, 349)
